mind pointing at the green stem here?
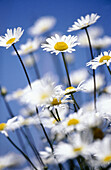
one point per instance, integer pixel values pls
(69, 82)
(35, 66)
(57, 114)
(109, 70)
(22, 65)
(27, 158)
(94, 79)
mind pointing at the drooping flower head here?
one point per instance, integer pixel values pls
(103, 58)
(11, 37)
(84, 22)
(60, 44)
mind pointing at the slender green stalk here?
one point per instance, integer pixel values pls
(109, 70)
(22, 65)
(26, 157)
(57, 115)
(69, 82)
(53, 115)
(33, 148)
(48, 140)
(26, 137)
(90, 46)
(35, 66)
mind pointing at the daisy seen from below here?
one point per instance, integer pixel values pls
(103, 58)
(11, 37)
(59, 44)
(84, 22)
(42, 25)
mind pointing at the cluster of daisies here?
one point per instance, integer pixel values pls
(71, 134)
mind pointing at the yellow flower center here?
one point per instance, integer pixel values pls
(61, 46)
(77, 149)
(2, 126)
(10, 41)
(28, 48)
(107, 158)
(105, 57)
(44, 96)
(55, 101)
(72, 122)
(69, 90)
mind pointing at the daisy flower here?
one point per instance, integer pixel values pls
(102, 151)
(71, 89)
(84, 22)
(59, 44)
(103, 58)
(10, 160)
(11, 124)
(11, 37)
(75, 79)
(77, 146)
(42, 25)
(99, 83)
(30, 46)
(103, 42)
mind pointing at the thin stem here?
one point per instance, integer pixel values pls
(17, 132)
(93, 69)
(48, 140)
(35, 66)
(57, 114)
(27, 158)
(22, 65)
(53, 115)
(33, 148)
(69, 82)
(109, 70)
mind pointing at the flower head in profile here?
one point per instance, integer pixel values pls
(42, 25)
(84, 22)
(103, 58)
(11, 37)
(71, 89)
(30, 46)
(59, 44)
(11, 124)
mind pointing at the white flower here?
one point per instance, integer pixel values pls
(11, 37)
(11, 124)
(78, 145)
(103, 58)
(102, 151)
(47, 156)
(78, 76)
(30, 46)
(42, 25)
(84, 22)
(59, 44)
(103, 42)
(27, 121)
(89, 84)
(71, 89)
(10, 160)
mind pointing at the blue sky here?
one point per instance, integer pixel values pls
(24, 13)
